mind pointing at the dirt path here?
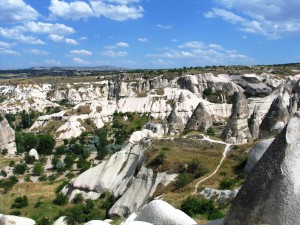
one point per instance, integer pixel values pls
(219, 165)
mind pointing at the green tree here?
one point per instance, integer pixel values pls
(20, 202)
(19, 169)
(38, 169)
(46, 144)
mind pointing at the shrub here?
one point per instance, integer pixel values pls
(15, 213)
(60, 199)
(20, 169)
(38, 169)
(11, 163)
(227, 183)
(159, 159)
(44, 221)
(210, 131)
(182, 180)
(4, 151)
(20, 202)
(29, 159)
(3, 173)
(193, 206)
(78, 198)
(207, 91)
(46, 144)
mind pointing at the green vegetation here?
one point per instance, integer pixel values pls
(20, 202)
(193, 206)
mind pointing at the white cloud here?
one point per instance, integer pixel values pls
(16, 11)
(273, 19)
(192, 44)
(18, 35)
(83, 38)
(143, 40)
(74, 10)
(201, 53)
(9, 52)
(81, 52)
(79, 60)
(122, 45)
(38, 52)
(47, 28)
(174, 40)
(114, 9)
(117, 12)
(111, 53)
(61, 38)
(52, 62)
(20, 32)
(166, 27)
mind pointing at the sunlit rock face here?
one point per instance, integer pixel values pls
(275, 119)
(270, 194)
(7, 136)
(236, 130)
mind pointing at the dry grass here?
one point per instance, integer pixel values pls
(5, 160)
(42, 192)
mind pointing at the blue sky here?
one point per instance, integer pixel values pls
(148, 33)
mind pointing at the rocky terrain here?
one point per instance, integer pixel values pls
(126, 139)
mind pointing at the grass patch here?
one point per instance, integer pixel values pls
(40, 197)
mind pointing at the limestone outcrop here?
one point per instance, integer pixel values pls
(123, 175)
(275, 119)
(236, 130)
(256, 153)
(7, 136)
(254, 123)
(200, 119)
(270, 194)
(159, 212)
(220, 196)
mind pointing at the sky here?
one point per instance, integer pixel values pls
(148, 33)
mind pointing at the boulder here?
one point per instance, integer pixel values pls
(15, 220)
(176, 125)
(97, 222)
(200, 119)
(60, 221)
(7, 136)
(270, 193)
(275, 119)
(34, 153)
(256, 153)
(159, 212)
(236, 130)
(220, 196)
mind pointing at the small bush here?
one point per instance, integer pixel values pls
(19, 169)
(78, 199)
(3, 173)
(210, 131)
(15, 213)
(60, 199)
(227, 184)
(159, 159)
(193, 206)
(20, 202)
(182, 180)
(44, 221)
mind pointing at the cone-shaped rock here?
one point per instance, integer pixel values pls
(236, 130)
(275, 119)
(176, 125)
(200, 119)
(254, 123)
(271, 193)
(7, 136)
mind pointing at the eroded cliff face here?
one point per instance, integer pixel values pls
(123, 175)
(270, 193)
(275, 119)
(237, 130)
(7, 136)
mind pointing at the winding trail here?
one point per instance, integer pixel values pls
(216, 170)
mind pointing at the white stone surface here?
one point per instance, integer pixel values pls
(33, 152)
(7, 137)
(159, 212)
(60, 221)
(17, 220)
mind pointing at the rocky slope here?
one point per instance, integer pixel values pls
(270, 193)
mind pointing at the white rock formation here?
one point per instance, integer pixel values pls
(256, 153)
(7, 136)
(221, 196)
(122, 175)
(96, 222)
(237, 130)
(270, 194)
(34, 153)
(159, 212)
(60, 221)
(17, 220)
